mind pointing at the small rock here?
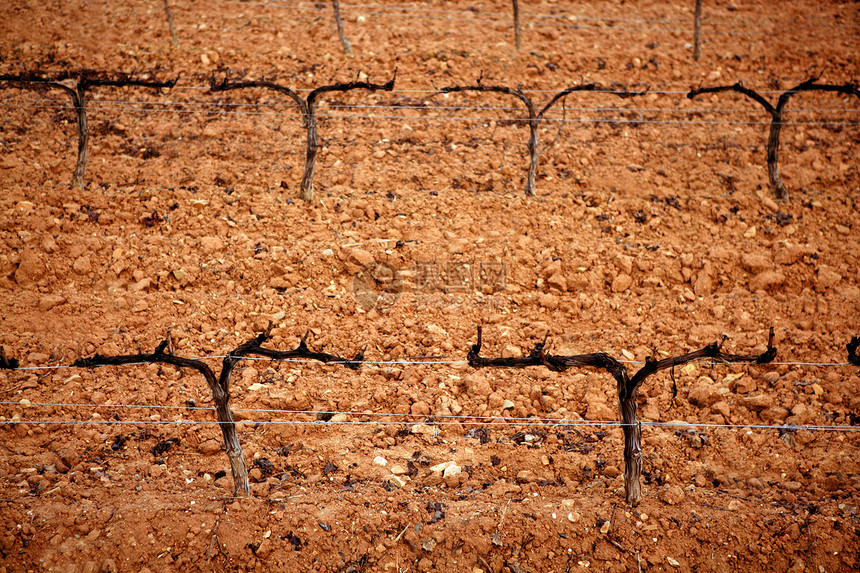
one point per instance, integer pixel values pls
(397, 481)
(507, 405)
(548, 301)
(526, 476)
(611, 471)
(766, 280)
(597, 408)
(774, 414)
(423, 429)
(398, 470)
(512, 351)
(744, 385)
(380, 461)
(359, 257)
(673, 562)
(827, 278)
(758, 403)
(49, 245)
(607, 525)
(441, 467)
(156, 470)
(703, 392)
(722, 407)
(750, 233)
(557, 282)
(621, 283)
(789, 255)
(770, 204)
(671, 494)
(82, 265)
(209, 447)
(452, 470)
(264, 549)
(755, 264)
(477, 385)
(142, 285)
(49, 301)
(211, 245)
(30, 268)
(420, 408)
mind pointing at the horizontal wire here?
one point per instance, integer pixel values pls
(432, 421)
(437, 92)
(488, 118)
(490, 422)
(97, 104)
(415, 362)
(497, 17)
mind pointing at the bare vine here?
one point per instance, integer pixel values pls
(76, 84)
(627, 387)
(308, 109)
(776, 113)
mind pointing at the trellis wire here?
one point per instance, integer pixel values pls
(504, 17)
(97, 104)
(490, 118)
(414, 362)
(493, 422)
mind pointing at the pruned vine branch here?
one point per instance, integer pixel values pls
(218, 384)
(308, 108)
(302, 351)
(627, 386)
(535, 116)
(76, 84)
(776, 113)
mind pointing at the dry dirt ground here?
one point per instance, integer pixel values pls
(653, 230)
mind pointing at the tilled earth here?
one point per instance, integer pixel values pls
(652, 232)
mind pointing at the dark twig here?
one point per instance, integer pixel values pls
(852, 346)
(627, 386)
(776, 114)
(308, 109)
(301, 351)
(76, 84)
(7, 363)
